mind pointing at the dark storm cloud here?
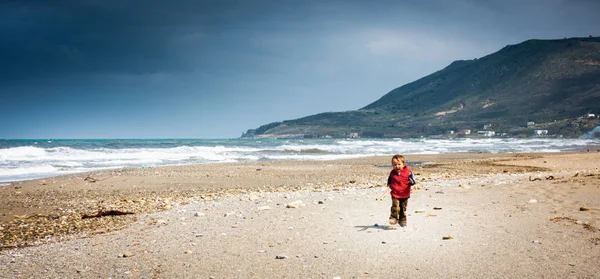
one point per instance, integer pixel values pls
(54, 38)
(57, 38)
(108, 64)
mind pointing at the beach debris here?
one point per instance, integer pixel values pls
(383, 242)
(198, 214)
(562, 218)
(188, 251)
(159, 221)
(127, 254)
(229, 214)
(576, 175)
(261, 251)
(439, 192)
(199, 235)
(419, 211)
(431, 215)
(437, 208)
(376, 225)
(90, 179)
(281, 257)
(534, 179)
(380, 197)
(583, 208)
(320, 202)
(102, 213)
(447, 237)
(550, 177)
(295, 204)
(532, 201)
(535, 242)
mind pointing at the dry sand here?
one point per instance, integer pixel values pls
(506, 216)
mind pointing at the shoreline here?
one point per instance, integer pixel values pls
(46, 213)
(25, 175)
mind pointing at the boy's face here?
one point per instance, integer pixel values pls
(397, 164)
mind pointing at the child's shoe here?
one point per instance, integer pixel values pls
(393, 221)
(403, 223)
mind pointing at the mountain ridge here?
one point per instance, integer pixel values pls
(554, 83)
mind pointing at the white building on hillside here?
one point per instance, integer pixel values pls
(487, 133)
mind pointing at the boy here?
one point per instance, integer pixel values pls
(400, 181)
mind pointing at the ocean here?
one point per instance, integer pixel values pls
(32, 159)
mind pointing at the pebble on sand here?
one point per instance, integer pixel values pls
(296, 204)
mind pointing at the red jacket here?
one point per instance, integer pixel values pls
(400, 183)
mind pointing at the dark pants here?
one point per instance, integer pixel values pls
(399, 209)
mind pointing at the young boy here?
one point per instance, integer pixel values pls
(400, 181)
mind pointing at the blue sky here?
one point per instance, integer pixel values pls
(213, 69)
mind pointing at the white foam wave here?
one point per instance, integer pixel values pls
(35, 161)
(21, 153)
(27, 170)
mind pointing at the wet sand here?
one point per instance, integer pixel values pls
(504, 215)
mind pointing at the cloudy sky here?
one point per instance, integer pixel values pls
(213, 69)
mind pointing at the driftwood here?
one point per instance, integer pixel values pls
(102, 213)
(537, 178)
(90, 179)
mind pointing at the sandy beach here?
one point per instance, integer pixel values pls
(471, 216)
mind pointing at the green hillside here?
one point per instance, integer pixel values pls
(553, 83)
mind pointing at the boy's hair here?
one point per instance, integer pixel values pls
(399, 157)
